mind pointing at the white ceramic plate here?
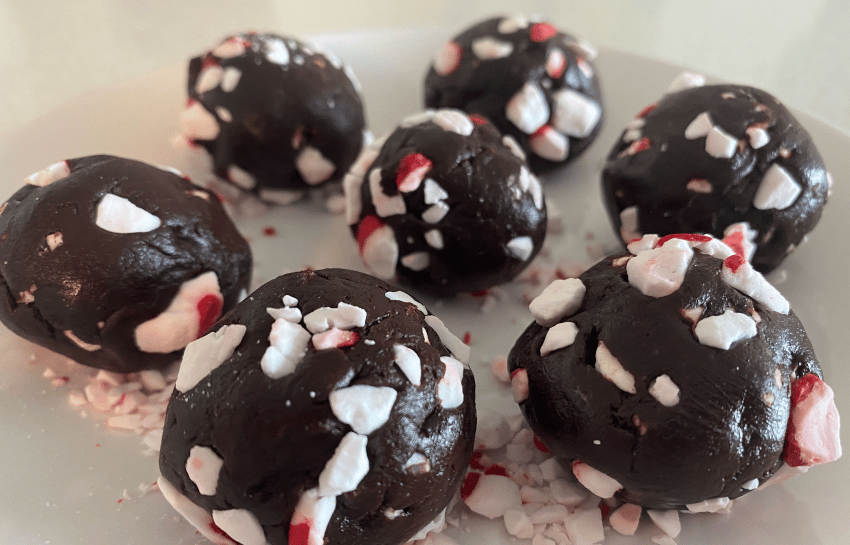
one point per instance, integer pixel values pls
(62, 475)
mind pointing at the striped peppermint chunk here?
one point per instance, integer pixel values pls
(660, 271)
(344, 316)
(561, 298)
(385, 205)
(450, 387)
(520, 247)
(404, 297)
(310, 518)
(206, 354)
(335, 338)
(519, 385)
(594, 480)
(364, 408)
(454, 121)
(720, 144)
(196, 515)
(629, 224)
(626, 518)
(549, 144)
(715, 505)
(739, 274)
(611, 368)
(667, 520)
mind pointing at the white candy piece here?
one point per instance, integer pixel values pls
(629, 224)
(685, 80)
(561, 298)
(230, 79)
(518, 523)
(529, 182)
(352, 182)
(313, 167)
(118, 215)
(594, 480)
(724, 330)
(584, 527)
(749, 281)
(454, 121)
(559, 336)
(700, 185)
(758, 137)
(346, 468)
(209, 79)
(550, 144)
(81, 343)
(625, 519)
(667, 520)
(660, 271)
(716, 505)
(433, 192)
(509, 25)
(179, 324)
(385, 205)
(405, 298)
(699, 127)
(364, 408)
(611, 368)
(575, 114)
(290, 314)
(47, 176)
(203, 467)
(196, 123)
(450, 387)
(431, 531)
(720, 143)
(409, 363)
(380, 252)
(448, 59)
(519, 385)
(555, 63)
(435, 212)
(456, 346)
(493, 495)
(206, 354)
(520, 247)
(528, 109)
(287, 345)
(744, 235)
(646, 242)
(665, 391)
(492, 432)
(195, 515)
(434, 238)
(488, 48)
(344, 316)
(777, 190)
(315, 512)
(563, 491)
(417, 261)
(232, 47)
(240, 177)
(282, 197)
(241, 525)
(509, 142)
(417, 463)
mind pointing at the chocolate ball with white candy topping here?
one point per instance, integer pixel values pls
(275, 115)
(531, 80)
(673, 377)
(328, 407)
(117, 264)
(705, 158)
(446, 204)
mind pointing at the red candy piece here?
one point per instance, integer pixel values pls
(605, 508)
(467, 338)
(540, 446)
(269, 231)
(217, 530)
(735, 241)
(496, 469)
(477, 119)
(367, 226)
(475, 460)
(734, 262)
(209, 310)
(540, 32)
(645, 111)
(469, 484)
(299, 534)
(689, 237)
(812, 436)
(409, 165)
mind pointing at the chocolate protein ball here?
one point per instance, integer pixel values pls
(117, 264)
(532, 81)
(328, 407)
(668, 376)
(705, 158)
(446, 204)
(277, 116)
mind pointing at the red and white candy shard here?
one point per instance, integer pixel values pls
(660, 271)
(715, 505)
(241, 525)
(47, 176)
(196, 515)
(405, 298)
(453, 120)
(559, 336)
(378, 246)
(724, 330)
(594, 480)
(335, 338)
(408, 361)
(81, 343)
(493, 495)
(667, 520)
(203, 467)
(206, 354)
(528, 109)
(364, 408)
(288, 343)
(520, 247)
(197, 123)
(118, 215)
(629, 224)
(310, 519)
(561, 298)
(813, 429)
(626, 518)
(437, 525)
(575, 114)
(232, 47)
(782, 474)
(346, 468)
(488, 48)
(448, 58)
(519, 385)
(190, 314)
(288, 313)
(417, 463)
(777, 190)
(412, 170)
(665, 391)
(450, 387)
(739, 237)
(385, 205)
(611, 368)
(720, 143)
(556, 63)
(313, 167)
(549, 144)
(457, 347)
(739, 274)
(344, 316)
(27, 296)
(700, 185)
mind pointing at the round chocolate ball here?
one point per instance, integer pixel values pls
(117, 264)
(705, 158)
(531, 80)
(328, 407)
(276, 116)
(664, 376)
(446, 204)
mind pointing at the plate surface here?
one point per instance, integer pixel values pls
(64, 475)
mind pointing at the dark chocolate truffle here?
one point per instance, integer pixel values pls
(446, 204)
(535, 83)
(276, 115)
(705, 158)
(328, 407)
(117, 264)
(667, 378)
